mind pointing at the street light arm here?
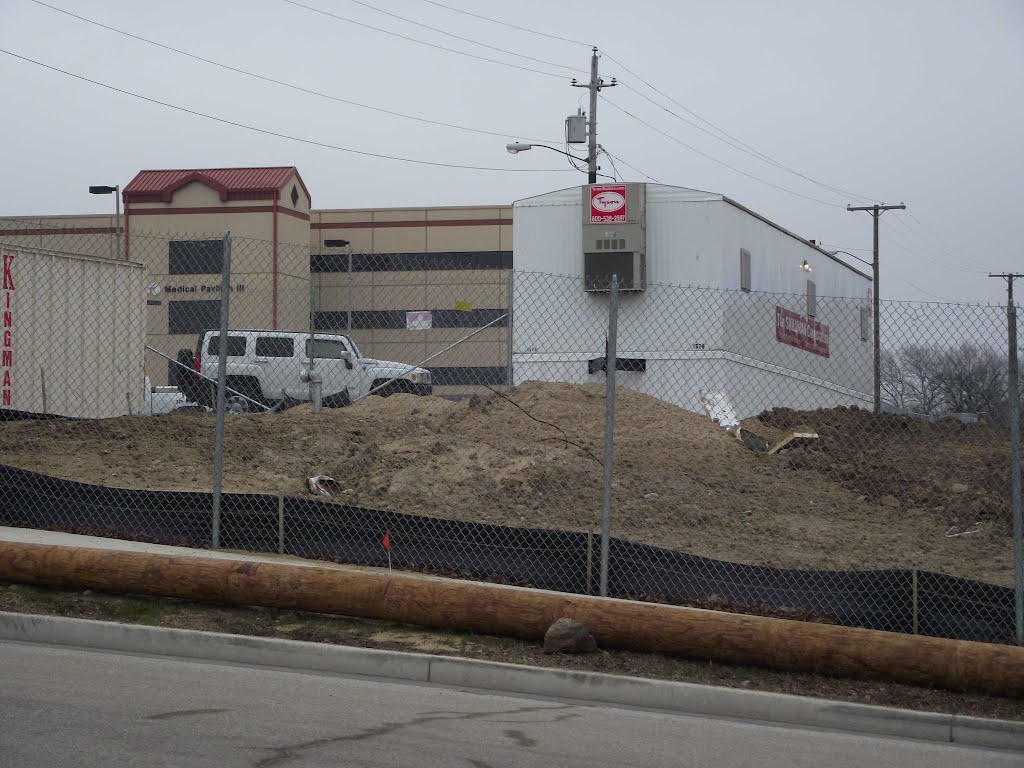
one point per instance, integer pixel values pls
(516, 148)
(858, 258)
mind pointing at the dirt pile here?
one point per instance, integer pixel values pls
(534, 460)
(959, 472)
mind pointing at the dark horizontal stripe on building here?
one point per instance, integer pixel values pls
(395, 319)
(628, 364)
(464, 376)
(4, 233)
(410, 223)
(410, 262)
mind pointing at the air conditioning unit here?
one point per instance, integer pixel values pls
(630, 267)
(614, 237)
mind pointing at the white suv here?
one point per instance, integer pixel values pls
(270, 367)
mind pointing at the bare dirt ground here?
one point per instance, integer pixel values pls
(367, 633)
(872, 492)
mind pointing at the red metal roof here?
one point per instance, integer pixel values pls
(230, 183)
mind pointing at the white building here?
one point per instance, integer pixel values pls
(716, 298)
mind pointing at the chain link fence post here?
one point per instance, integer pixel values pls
(510, 380)
(222, 364)
(1013, 398)
(609, 429)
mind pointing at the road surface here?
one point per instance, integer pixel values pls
(67, 707)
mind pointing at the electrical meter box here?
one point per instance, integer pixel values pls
(576, 129)
(614, 236)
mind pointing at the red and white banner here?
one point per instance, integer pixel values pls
(801, 332)
(607, 203)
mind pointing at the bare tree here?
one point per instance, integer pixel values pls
(964, 379)
(922, 370)
(973, 380)
(911, 378)
(894, 383)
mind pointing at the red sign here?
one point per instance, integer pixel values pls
(801, 332)
(607, 203)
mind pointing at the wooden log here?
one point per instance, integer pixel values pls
(527, 613)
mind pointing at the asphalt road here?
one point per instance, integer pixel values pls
(66, 707)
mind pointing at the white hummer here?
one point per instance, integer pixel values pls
(268, 368)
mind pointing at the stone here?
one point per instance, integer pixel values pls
(651, 496)
(891, 501)
(960, 488)
(568, 636)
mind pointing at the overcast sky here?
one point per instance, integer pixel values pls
(917, 101)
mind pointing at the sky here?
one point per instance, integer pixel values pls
(794, 108)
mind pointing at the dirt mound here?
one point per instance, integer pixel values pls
(959, 472)
(533, 458)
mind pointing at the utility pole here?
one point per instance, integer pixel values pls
(876, 211)
(1014, 395)
(595, 85)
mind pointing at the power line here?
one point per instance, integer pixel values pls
(736, 143)
(421, 42)
(728, 138)
(276, 134)
(283, 83)
(743, 146)
(940, 262)
(938, 238)
(631, 167)
(464, 39)
(715, 159)
(507, 24)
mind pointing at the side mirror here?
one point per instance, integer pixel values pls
(347, 357)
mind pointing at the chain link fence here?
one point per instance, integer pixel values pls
(442, 413)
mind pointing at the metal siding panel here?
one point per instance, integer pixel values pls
(77, 319)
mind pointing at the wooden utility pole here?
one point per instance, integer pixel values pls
(498, 609)
(876, 211)
(595, 85)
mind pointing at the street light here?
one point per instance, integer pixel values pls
(99, 189)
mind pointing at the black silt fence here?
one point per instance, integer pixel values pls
(871, 599)
(181, 518)
(564, 561)
(541, 558)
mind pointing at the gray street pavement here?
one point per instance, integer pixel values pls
(69, 707)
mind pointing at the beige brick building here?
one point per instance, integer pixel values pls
(408, 282)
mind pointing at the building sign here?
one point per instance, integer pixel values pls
(7, 346)
(180, 288)
(607, 203)
(419, 321)
(801, 332)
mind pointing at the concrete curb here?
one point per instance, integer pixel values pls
(592, 687)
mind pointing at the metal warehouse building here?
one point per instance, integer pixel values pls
(715, 298)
